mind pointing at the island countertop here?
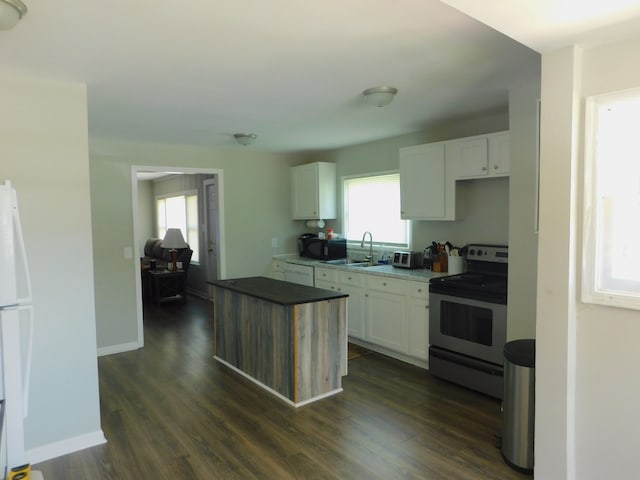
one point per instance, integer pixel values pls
(277, 291)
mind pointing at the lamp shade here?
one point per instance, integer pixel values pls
(379, 96)
(11, 11)
(173, 239)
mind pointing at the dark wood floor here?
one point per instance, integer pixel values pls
(169, 411)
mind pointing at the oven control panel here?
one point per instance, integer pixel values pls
(488, 253)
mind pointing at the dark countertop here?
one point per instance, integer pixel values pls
(277, 291)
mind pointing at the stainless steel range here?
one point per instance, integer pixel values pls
(468, 321)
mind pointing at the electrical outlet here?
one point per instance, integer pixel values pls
(274, 242)
(128, 253)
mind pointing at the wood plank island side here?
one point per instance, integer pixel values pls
(290, 339)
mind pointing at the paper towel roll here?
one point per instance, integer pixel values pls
(315, 223)
(456, 265)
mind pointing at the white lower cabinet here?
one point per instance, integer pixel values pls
(418, 319)
(390, 315)
(326, 278)
(386, 306)
(353, 285)
(300, 274)
(325, 285)
(278, 268)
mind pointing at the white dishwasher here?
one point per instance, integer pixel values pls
(301, 274)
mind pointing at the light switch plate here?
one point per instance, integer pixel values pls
(128, 253)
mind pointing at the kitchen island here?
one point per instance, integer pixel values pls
(290, 339)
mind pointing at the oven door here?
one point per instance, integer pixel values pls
(469, 327)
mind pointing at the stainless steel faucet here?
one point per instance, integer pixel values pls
(370, 257)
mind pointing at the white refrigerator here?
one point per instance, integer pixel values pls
(16, 331)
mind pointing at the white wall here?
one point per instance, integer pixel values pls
(608, 339)
(588, 385)
(44, 143)
(523, 239)
(146, 215)
(555, 326)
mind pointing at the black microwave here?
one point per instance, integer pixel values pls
(311, 246)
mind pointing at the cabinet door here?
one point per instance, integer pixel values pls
(387, 319)
(313, 191)
(356, 308)
(278, 268)
(500, 153)
(471, 156)
(422, 182)
(418, 319)
(325, 274)
(304, 192)
(300, 274)
(353, 285)
(418, 327)
(325, 285)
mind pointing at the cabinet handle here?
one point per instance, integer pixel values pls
(349, 278)
(419, 290)
(484, 169)
(384, 283)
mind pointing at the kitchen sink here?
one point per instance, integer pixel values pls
(361, 265)
(347, 262)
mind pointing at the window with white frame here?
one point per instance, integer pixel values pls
(180, 211)
(372, 204)
(611, 263)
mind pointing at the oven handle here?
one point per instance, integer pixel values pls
(487, 367)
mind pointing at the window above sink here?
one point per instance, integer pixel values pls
(372, 203)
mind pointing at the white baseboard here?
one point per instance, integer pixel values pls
(123, 347)
(65, 447)
(418, 362)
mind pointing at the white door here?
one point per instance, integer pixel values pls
(211, 230)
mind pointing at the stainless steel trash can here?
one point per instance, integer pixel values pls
(518, 407)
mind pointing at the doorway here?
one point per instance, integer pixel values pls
(211, 231)
(211, 235)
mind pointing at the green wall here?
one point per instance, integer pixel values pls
(486, 216)
(256, 209)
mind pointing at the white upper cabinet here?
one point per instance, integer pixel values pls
(471, 156)
(313, 191)
(423, 185)
(500, 153)
(480, 156)
(428, 173)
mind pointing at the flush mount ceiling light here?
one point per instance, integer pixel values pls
(11, 11)
(379, 96)
(245, 138)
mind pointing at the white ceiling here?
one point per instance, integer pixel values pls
(289, 71)
(546, 25)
